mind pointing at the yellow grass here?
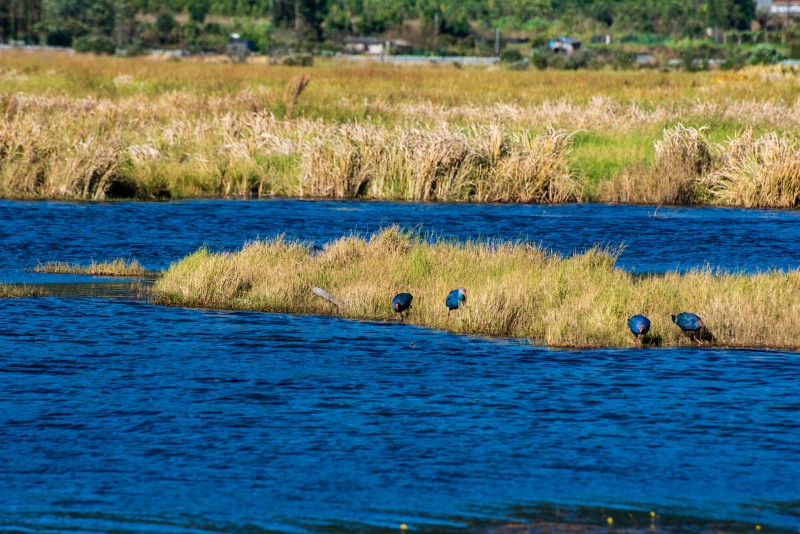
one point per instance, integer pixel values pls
(117, 267)
(748, 170)
(11, 291)
(82, 127)
(682, 157)
(513, 290)
(758, 172)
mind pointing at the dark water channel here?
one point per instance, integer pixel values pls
(117, 415)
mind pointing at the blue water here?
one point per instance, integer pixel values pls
(158, 234)
(118, 415)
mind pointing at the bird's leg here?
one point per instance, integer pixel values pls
(635, 339)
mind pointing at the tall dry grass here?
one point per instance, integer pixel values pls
(94, 128)
(481, 163)
(293, 92)
(748, 170)
(514, 290)
(683, 156)
(757, 172)
(81, 149)
(37, 158)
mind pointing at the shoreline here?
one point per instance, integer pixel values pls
(143, 290)
(237, 198)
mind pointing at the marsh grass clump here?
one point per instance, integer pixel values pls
(39, 158)
(13, 291)
(117, 267)
(484, 164)
(683, 150)
(758, 172)
(683, 156)
(515, 290)
(538, 170)
(748, 170)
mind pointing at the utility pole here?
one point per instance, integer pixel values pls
(497, 42)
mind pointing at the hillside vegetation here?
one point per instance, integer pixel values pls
(443, 26)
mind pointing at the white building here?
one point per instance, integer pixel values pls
(779, 7)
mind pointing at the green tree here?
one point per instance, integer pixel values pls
(198, 10)
(114, 19)
(731, 14)
(165, 24)
(308, 17)
(19, 19)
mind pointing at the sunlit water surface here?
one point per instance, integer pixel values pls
(117, 415)
(157, 234)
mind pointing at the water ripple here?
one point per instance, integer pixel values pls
(130, 411)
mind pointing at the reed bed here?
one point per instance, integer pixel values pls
(255, 154)
(117, 267)
(747, 170)
(513, 290)
(758, 172)
(682, 157)
(484, 164)
(96, 128)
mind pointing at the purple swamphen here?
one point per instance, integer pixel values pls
(639, 325)
(402, 302)
(455, 298)
(689, 323)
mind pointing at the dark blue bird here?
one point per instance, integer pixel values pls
(690, 323)
(455, 298)
(401, 303)
(639, 325)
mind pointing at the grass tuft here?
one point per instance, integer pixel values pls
(117, 267)
(13, 291)
(758, 172)
(293, 92)
(682, 157)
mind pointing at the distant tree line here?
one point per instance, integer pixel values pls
(114, 23)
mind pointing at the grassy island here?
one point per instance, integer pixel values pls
(514, 290)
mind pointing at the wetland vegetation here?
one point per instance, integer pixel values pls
(514, 290)
(79, 127)
(13, 291)
(117, 267)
